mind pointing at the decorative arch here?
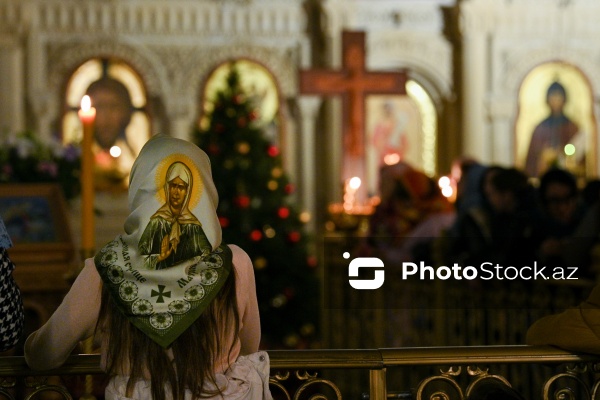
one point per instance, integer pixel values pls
(64, 60)
(122, 122)
(279, 65)
(432, 79)
(278, 62)
(255, 77)
(67, 78)
(519, 64)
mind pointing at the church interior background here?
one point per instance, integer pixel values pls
(474, 76)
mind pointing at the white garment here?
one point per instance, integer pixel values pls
(246, 379)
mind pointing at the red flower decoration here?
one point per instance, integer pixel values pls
(256, 235)
(283, 212)
(272, 151)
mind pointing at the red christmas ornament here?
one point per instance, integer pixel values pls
(256, 235)
(283, 212)
(219, 128)
(289, 188)
(289, 292)
(294, 237)
(224, 222)
(272, 151)
(242, 201)
(253, 115)
(214, 148)
(241, 122)
(312, 261)
(237, 99)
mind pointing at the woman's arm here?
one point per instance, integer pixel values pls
(247, 302)
(73, 321)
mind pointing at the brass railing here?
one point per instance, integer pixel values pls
(299, 374)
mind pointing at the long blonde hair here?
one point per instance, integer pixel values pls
(195, 352)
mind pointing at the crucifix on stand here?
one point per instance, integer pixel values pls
(353, 82)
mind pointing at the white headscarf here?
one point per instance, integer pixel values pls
(165, 302)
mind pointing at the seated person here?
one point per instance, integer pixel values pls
(559, 214)
(410, 201)
(500, 229)
(575, 329)
(187, 328)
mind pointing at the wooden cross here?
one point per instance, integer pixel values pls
(353, 82)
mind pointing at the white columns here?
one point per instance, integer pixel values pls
(503, 142)
(475, 138)
(181, 111)
(12, 112)
(309, 109)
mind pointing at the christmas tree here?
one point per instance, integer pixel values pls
(257, 213)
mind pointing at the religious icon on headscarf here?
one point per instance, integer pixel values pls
(551, 137)
(174, 234)
(114, 154)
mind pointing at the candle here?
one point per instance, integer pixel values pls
(87, 115)
(350, 189)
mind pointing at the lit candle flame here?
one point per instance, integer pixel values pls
(86, 103)
(354, 183)
(115, 151)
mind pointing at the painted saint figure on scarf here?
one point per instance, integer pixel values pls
(174, 234)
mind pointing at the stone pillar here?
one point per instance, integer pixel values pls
(309, 109)
(42, 100)
(12, 113)
(474, 142)
(474, 78)
(182, 117)
(593, 166)
(288, 140)
(502, 138)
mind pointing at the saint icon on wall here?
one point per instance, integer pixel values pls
(555, 127)
(550, 139)
(113, 152)
(390, 134)
(121, 126)
(400, 129)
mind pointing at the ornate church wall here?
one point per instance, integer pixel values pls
(173, 45)
(504, 41)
